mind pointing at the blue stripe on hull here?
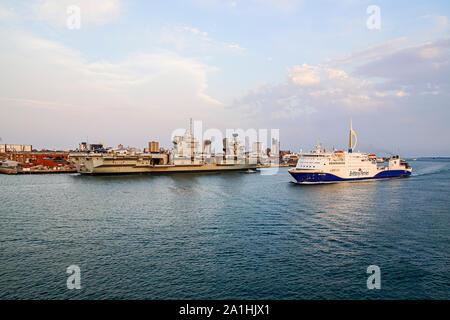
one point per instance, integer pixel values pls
(305, 177)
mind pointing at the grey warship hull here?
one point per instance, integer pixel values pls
(108, 165)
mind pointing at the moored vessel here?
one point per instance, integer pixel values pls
(187, 155)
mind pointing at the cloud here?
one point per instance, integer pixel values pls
(251, 6)
(403, 89)
(187, 38)
(281, 5)
(401, 94)
(362, 56)
(413, 68)
(440, 23)
(307, 90)
(365, 81)
(46, 86)
(304, 75)
(98, 12)
(5, 13)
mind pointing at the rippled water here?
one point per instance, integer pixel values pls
(220, 236)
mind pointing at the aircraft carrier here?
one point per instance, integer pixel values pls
(187, 155)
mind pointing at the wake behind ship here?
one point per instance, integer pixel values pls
(186, 156)
(320, 166)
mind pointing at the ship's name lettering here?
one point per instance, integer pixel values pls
(359, 173)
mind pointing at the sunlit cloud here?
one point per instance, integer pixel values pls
(329, 87)
(40, 75)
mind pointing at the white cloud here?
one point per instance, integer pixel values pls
(337, 74)
(290, 108)
(5, 13)
(184, 37)
(304, 75)
(439, 23)
(411, 68)
(251, 6)
(308, 90)
(57, 86)
(282, 5)
(401, 94)
(96, 12)
(235, 47)
(362, 56)
(430, 52)
(379, 78)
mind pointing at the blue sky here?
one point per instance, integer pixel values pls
(137, 70)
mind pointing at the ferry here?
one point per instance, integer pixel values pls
(321, 166)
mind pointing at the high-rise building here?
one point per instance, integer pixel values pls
(153, 146)
(275, 150)
(258, 148)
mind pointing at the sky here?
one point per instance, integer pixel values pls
(129, 72)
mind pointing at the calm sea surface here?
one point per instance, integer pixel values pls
(221, 236)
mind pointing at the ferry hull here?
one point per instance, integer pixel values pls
(319, 177)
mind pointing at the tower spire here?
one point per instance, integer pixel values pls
(352, 135)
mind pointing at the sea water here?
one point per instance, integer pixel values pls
(225, 236)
